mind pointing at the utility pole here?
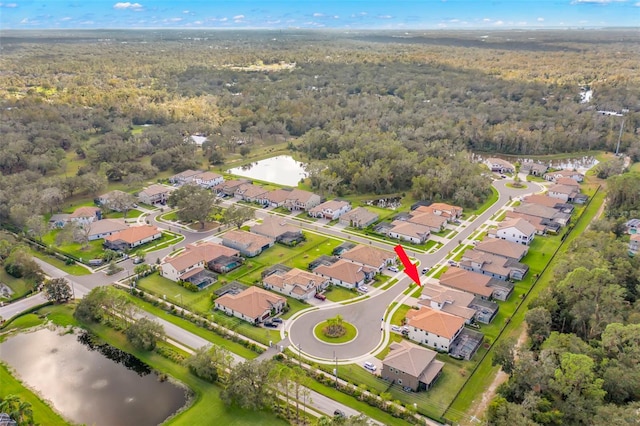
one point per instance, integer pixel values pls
(300, 355)
(335, 370)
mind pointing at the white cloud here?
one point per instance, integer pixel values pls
(637, 4)
(185, 12)
(173, 20)
(225, 19)
(318, 15)
(66, 18)
(25, 21)
(385, 16)
(540, 19)
(127, 5)
(238, 17)
(9, 5)
(486, 20)
(498, 23)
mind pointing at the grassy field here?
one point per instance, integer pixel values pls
(93, 249)
(485, 372)
(398, 316)
(339, 294)
(19, 286)
(349, 335)
(120, 215)
(259, 334)
(73, 269)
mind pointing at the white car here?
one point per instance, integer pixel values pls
(369, 366)
(393, 269)
(453, 263)
(363, 288)
(395, 328)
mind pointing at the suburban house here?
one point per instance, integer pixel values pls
(105, 227)
(132, 237)
(208, 179)
(154, 194)
(493, 266)
(331, 210)
(516, 230)
(543, 212)
(541, 225)
(553, 176)
(228, 187)
(503, 248)
(433, 328)
(411, 366)
(298, 199)
(295, 283)
(253, 304)
(632, 226)
(184, 177)
(370, 257)
(250, 193)
(105, 199)
(634, 243)
(534, 169)
(565, 193)
(278, 229)
(247, 243)
(499, 165)
(477, 284)
(445, 210)
(545, 200)
(85, 215)
(195, 257)
(568, 181)
(276, 198)
(345, 273)
(358, 218)
(434, 222)
(408, 231)
(460, 303)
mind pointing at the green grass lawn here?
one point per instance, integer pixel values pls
(167, 239)
(294, 306)
(349, 335)
(19, 286)
(21, 323)
(171, 216)
(339, 294)
(394, 337)
(120, 215)
(400, 314)
(259, 334)
(93, 249)
(73, 269)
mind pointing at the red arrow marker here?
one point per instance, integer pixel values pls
(409, 268)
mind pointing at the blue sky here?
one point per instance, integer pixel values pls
(346, 14)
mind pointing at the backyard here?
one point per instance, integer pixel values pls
(19, 286)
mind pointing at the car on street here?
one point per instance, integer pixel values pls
(339, 413)
(320, 296)
(425, 270)
(369, 366)
(393, 269)
(137, 260)
(503, 176)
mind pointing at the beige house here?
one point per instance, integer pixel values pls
(411, 366)
(565, 193)
(195, 256)
(132, 237)
(480, 285)
(634, 243)
(276, 198)
(105, 227)
(433, 328)
(331, 210)
(369, 256)
(278, 229)
(359, 217)
(250, 193)
(184, 177)
(554, 176)
(208, 179)
(517, 231)
(295, 283)
(499, 165)
(154, 194)
(253, 305)
(503, 248)
(434, 222)
(346, 274)
(299, 199)
(408, 231)
(248, 243)
(445, 210)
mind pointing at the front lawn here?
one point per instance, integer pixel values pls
(399, 315)
(19, 286)
(120, 215)
(259, 334)
(73, 269)
(338, 294)
(93, 250)
(294, 306)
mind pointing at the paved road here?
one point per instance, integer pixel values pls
(367, 314)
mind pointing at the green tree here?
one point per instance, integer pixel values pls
(538, 325)
(238, 215)
(36, 227)
(203, 364)
(57, 290)
(194, 203)
(20, 264)
(504, 354)
(248, 385)
(20, 411)
(144, 334)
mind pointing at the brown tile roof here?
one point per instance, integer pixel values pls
(635, 237)
(249, 190)
(106, 225)
(134, 234)
(247, 239)
(85, 211)
(502, 248)
(154, 190)
(564, 189)
(489, 262)
(413, 360)
(533, 220)
(202, 252)
(367, 255)
(274, 227)
(410, 229)
(251, 302)
(427, 219)
(467, 281)
(453, 302)
(300, 195)
(447, 210)
(568, 182)
(520, 224)
(344, 271)
(435, 322)
(295, 277)
(278, 195)
(543, 200)
(204, 176)
(186, 174)
(330, 205)
(359, 215)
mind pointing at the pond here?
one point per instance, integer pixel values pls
(89, 382)
(282, 169)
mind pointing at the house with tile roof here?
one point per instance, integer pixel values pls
(499, 165)
(634, 243)
(296, 283)
(407, 231)
(545, 200)
(568, 182)
(565, 193)
(250, 193)
(208, 179)
(154, 194)
(553, 176)
(132, 237)
(516, 230)
(278, 229)
(228, 187)
(494, 266)
(105, 227)
(330, 210)
(183, 177)
(435, 223)
(371, 257)
(276, 198)
(448, 300)
(85, 215)
(533, 168)
(433, 328)
(196, 256)
(411, 366)
(477, 284)
(346, 274)
(503, 248)
(445, 210)
(298, 199)
(248, 243)
(253, 304)
(549, 214)
(359, 217)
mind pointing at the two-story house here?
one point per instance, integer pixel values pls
(634, 243)
(331, 210)
(186, 176)
(250, 193)
(154, 194)
(295, 283)
(516, 230)
(298, 199)
(499, 165)
(411, 366)
(359, 217)
(433, 328)
(493, 266)
(208, 179)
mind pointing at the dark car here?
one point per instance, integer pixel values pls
(339, 413)
(137, 260)
(271, 325)
(277, 320)
(320, 296)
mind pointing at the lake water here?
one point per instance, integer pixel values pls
(89, 382)
(282, 169)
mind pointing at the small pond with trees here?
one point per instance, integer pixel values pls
(281, 169)
(90, 382)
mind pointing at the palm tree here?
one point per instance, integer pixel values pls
(18, 410)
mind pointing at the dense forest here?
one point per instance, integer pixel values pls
(372, 113)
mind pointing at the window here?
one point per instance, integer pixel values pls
(399, 381)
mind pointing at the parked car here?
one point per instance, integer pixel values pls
(425, 270)
(393, 269)
(270, 324)
(320, 296)
(277, 320)
(369, 366)
(395, 328)
(363, 288)
(452, 263)
(503, 176)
